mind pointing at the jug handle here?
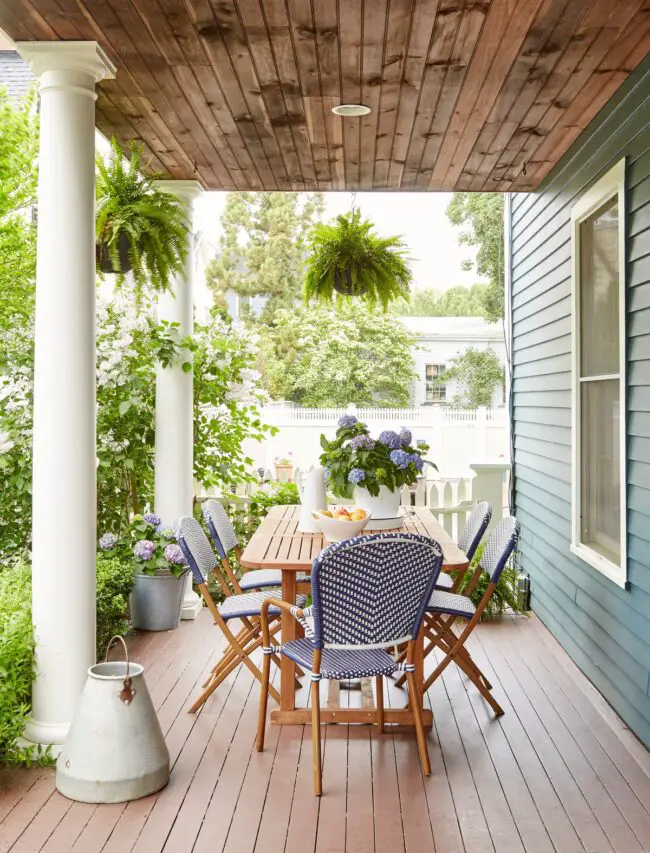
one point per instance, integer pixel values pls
(297, 478)
(127, 693)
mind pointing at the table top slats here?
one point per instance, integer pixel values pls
(277, 543)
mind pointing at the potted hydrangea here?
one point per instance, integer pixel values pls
(160, 568)
(368, 470)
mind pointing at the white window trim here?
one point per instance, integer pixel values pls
(610, 185)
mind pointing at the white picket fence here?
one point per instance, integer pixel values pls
(456, 437)
(286, 414)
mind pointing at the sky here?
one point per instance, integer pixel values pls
(419, 217)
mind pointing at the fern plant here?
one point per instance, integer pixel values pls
(347, 258)
(132, 214)
(505, 593)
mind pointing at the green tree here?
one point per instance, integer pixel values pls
(478, 372)
(455, 302)
(331, 357)
(480, 215)
(18, 176)
(263, 247)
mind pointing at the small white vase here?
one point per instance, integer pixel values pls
(385, 505)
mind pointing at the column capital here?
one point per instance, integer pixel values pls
(85, 57)
(186, 191)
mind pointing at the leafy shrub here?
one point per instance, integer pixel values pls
(278, 495)
(114, 585)
(505, 593)
(17, 664)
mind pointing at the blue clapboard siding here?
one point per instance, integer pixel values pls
(604, 628)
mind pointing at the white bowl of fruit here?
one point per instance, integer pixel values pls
(342, 522)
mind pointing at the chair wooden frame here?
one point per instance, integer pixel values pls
(315, 697)
(439, 626)
(241, 645)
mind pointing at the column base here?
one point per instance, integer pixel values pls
(52, 735)
(192, 606)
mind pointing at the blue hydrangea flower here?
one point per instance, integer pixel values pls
(326, 473)
(406, 437)
(391, 439)
(362, 442)
(144, 549)
(173, 554)
(417, 461)
(152, 518)
(400, 458)
(347, 421)
(108, 541)
(356, 475)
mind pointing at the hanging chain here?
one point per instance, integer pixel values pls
(353, 200)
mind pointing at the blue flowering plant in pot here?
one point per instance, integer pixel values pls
(160, 569)
(371, 471)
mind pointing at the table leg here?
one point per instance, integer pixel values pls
(288, 623)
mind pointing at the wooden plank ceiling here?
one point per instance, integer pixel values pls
(465, 94)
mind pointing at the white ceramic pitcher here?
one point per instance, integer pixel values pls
(313, 496)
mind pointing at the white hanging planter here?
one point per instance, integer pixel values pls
(385, 505)
(115, 750)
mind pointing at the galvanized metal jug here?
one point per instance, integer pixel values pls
(115, 749)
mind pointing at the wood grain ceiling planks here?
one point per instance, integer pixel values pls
(464, 94)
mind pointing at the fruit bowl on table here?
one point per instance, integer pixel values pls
(342, 523)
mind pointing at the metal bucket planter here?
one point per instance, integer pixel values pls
(115, 750)
(156, 601)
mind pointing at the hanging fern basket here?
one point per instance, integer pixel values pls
(139, 227)
(343, 283)
(106, 263)
(348, 260)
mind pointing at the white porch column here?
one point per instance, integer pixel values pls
(64, 492)
(174, 481)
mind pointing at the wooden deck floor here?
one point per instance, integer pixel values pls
(559, 772)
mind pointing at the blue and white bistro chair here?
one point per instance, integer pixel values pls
(224, 540)
(245, 607)
(468, 541)
(369, 594)
(445, 608)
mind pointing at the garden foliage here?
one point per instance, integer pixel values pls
(131, 346)
(17, 665)
(114, 585)
(322, 356)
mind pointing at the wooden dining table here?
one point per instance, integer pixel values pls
(278, 544)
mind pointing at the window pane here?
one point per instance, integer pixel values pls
(599, 292)
(600, 525)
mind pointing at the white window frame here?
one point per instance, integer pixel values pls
(441, 385)
(610, 185)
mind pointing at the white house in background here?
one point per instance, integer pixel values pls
(438, 341)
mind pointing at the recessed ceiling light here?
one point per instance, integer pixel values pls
(351, 110)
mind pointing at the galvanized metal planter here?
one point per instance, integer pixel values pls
(156, 601)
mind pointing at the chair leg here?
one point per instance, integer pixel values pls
(315, 737)
(419, 726)
(379, 682)
(427, 651)
(474, 677)
(264, 699)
